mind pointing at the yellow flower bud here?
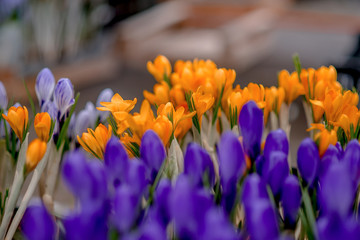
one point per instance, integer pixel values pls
(34, 154)
(18, 118)
(42, 124)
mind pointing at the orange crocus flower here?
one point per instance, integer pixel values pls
(34, 154)
(293, 88)
(118, 104)
(18, 118)
(95, 141)
(160, 95)
(160, 67)
(325, 138)
(42, 125)
(203, 102)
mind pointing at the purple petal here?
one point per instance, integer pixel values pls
(152, 152)
(275, 171)
(251, 121)
(308, 160)
(261, 221)
(126, 208)
(231, 159)
(291, 199)
(334, 228)
(37, 223)
(188, 208)
(337, 190)
(86, 180)
(197, 162)
(44, 86)
(352, 159)
(162, 200)
(64, 95)
(116, 162)
(330, 157)
(254, 188)
(276, 141)
(136, 176)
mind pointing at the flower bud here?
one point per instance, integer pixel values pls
(3, 97)
(34, 154)
(275, 170)
(64, 96)
(42, 125)
(44, 86)
(276, 141)
(152, 152)
(37, 223)
(291, 199)
(197, 162)
(251, 122)
(308, 160)
(18, 118)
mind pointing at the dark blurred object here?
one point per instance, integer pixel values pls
(349, 72)
(126, 8)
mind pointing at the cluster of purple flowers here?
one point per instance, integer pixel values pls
(255, 195)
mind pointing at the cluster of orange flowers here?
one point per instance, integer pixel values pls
(18, 118)
(193, 89)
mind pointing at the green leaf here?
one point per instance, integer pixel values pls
(297, 64)
(218, 104)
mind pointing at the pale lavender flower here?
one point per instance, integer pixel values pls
(64, 96)
(104, 96)
(44, 86)
(3, 97)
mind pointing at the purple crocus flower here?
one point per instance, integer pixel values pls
(104, 96)
(188, 208)
(218, 226)
(86, 180)
(152, 152)
(251, 122)
(291, 199)
(82, 122)
(44, 86)
(308, 160)
(253, 188)
(275, 171)
(162, 201)
(116, 162)
(259, 163)
(276, 141)
(261, 221)
(64, 96)
(3, 97)
(152, 230)
(136, 176)
(333, 228)
(88, 223)
(197, 163)
(50, 108)
(330, 157)
(337, 190)
(37, 223)
(231, 167)
(126, 208)
(352, 159)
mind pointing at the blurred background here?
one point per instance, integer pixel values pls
(106, 43)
